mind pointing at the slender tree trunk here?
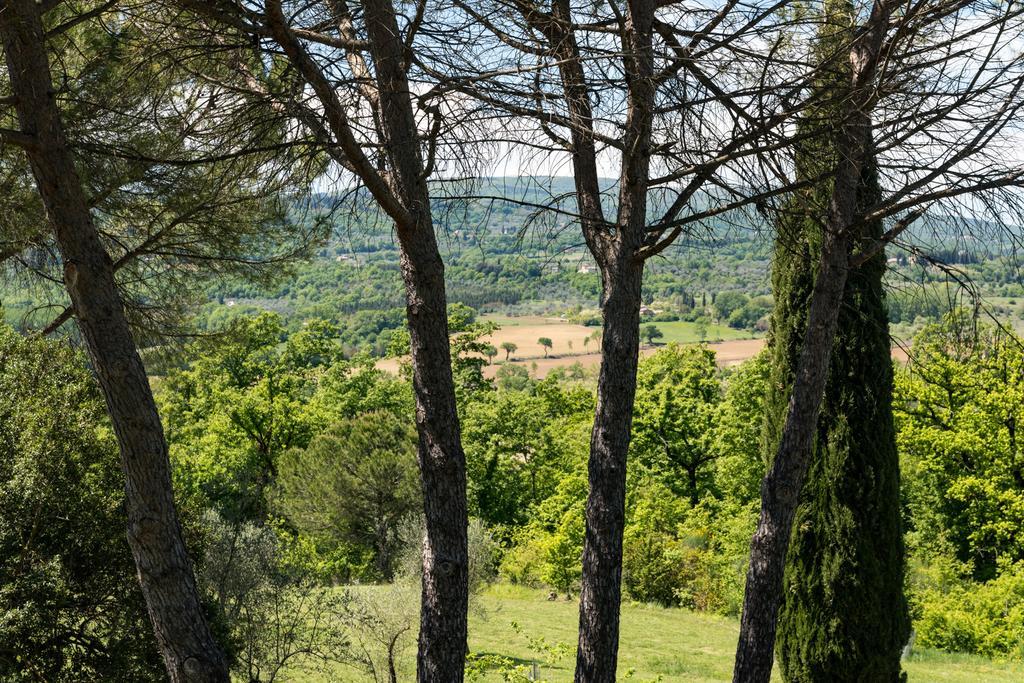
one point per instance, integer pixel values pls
(402, 192)
(445, 586)
(600, 595)
(445, 592)
(780, 489)
(154, 535)
(622, 279)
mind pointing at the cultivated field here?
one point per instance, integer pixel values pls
(731, 346)
(569, 345)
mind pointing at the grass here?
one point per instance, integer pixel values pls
(676, 644)
(683, 332)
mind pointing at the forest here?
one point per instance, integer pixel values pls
(496, 340)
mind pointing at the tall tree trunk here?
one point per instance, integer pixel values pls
(402, 192)
(600, 595)
(781, 486)
(164, 570)
(780, 489)
(618, 255)
(445, 586)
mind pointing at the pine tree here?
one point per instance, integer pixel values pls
(844, 617)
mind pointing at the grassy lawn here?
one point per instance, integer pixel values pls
(675, 644)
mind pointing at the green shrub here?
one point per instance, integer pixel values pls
(652, 555)
(976, 618)
(653, 567)
(716, 536)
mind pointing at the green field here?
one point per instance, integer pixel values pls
(676, 645)
(683, 332)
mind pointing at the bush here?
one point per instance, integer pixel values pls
(976, 618)
(680, 556)
(717, 540)
(548, 556)
(652, 555)
(276, 613)
(561, 552)
(652, 567)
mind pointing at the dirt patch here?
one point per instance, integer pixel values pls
(530, 353)
(726, 353)
(566, 339)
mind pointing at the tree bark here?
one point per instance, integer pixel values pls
(154, 534)
(780, 489)
(617, 254)
(445, 588)
(600, 594)
(445, 583)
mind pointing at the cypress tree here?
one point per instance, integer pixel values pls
(844, 615)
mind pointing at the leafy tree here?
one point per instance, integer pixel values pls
(650, 333)
(674, 426)
(717, 540)
(509, 348)
(490, 351)
(726, 303)
(70, 607)
(547, 548)
(750, 314)
(233, 412)
(546, 343)
(511, 377)
(512, 460)
(959, 410)
(467, 347)
(740, 466)
(254, 392)
(354, 484)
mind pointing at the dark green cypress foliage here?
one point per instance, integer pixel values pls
(844, 616)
